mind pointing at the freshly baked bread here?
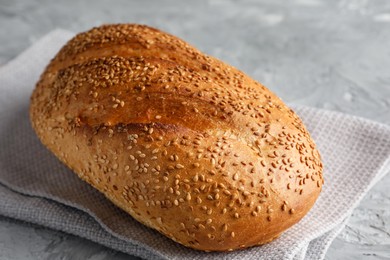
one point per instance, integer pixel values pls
(183, 142)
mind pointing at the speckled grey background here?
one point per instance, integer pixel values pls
(322, 53)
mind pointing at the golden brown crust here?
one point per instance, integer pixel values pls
(184, 143)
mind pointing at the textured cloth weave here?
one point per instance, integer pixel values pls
(36, 187)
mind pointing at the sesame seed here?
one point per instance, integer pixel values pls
(212, 161)
(227, 192)
(224, 227)
(179, 166)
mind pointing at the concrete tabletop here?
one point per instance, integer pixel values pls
(332, 54)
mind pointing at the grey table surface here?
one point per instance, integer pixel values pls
(332, 54)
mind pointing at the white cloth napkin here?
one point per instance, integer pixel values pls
(36, 187)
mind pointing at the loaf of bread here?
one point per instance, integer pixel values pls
(184, 143)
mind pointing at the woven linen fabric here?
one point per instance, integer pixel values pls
(37, 188)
